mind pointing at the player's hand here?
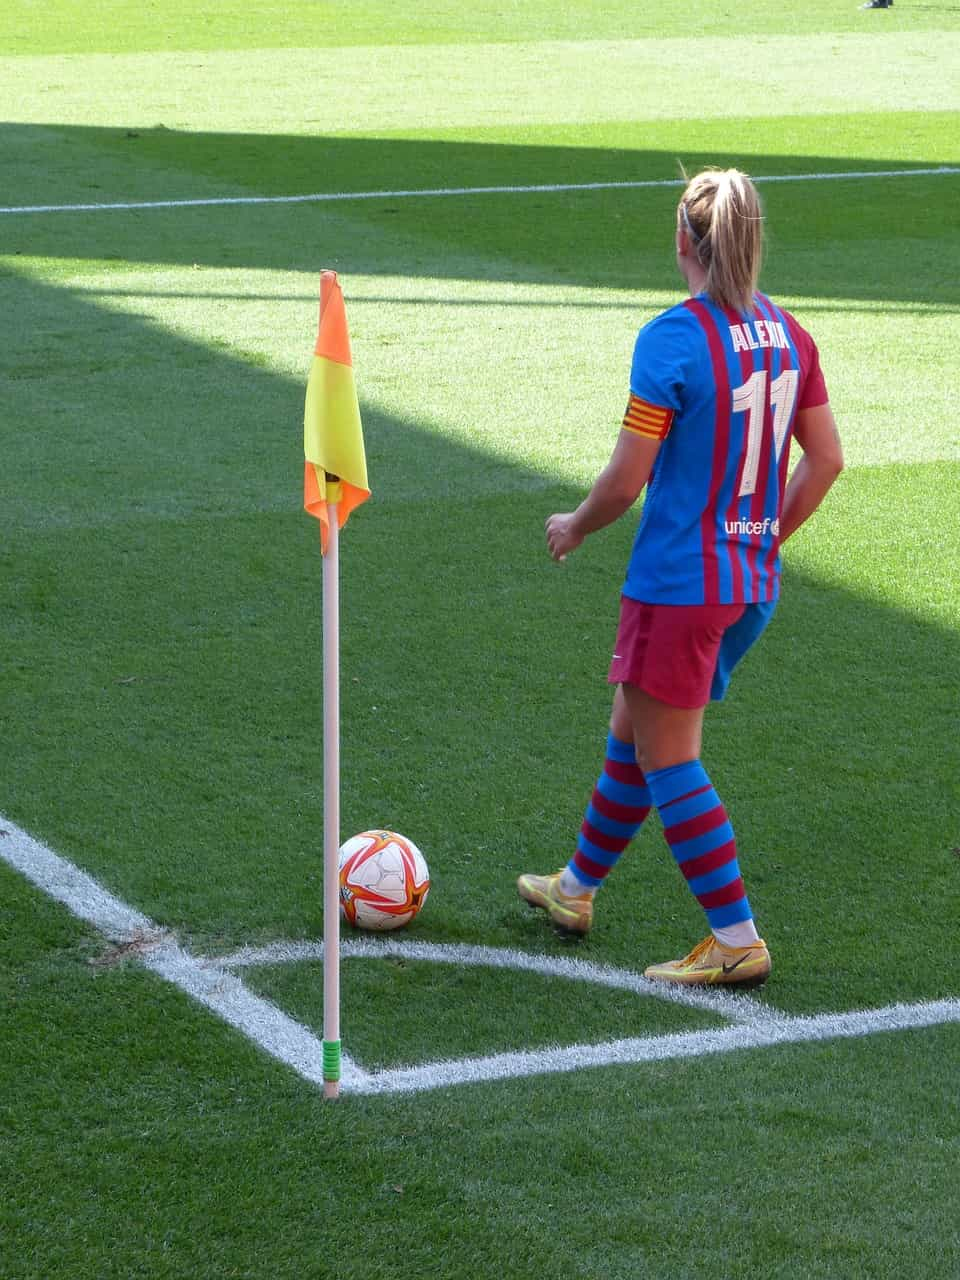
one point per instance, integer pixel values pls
(562, 537)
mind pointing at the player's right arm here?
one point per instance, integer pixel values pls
(614, 492)
(660, 355)
(822, 461)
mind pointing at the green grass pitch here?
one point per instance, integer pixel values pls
(160, 636)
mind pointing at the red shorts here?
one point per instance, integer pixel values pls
(670, 650)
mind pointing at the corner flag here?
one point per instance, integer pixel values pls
(335, 465)
(334, 484)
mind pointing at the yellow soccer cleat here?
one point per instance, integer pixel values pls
(571, 915)
(711, 964)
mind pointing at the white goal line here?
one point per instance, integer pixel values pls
(322, 197)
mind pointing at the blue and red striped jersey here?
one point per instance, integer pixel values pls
(722, 391)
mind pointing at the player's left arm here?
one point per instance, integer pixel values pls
(821, 463)
(816, 433)
(614, 492)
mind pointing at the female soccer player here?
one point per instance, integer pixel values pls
(719, 386)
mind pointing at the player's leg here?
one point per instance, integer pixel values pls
(701, 839)
(618, 806)
(685, 653)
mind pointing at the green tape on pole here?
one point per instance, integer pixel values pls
(331, 1059)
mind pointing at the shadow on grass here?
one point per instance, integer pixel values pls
(150, 424)
(612, 238)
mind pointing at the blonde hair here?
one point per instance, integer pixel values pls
(721, 213)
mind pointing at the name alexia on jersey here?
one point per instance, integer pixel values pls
(758, 333)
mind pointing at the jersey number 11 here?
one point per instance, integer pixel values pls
(751, 399)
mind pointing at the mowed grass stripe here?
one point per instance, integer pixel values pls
(67, 26)
(369, 89)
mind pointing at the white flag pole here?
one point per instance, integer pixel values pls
(331, 809)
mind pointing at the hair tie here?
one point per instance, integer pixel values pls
(686, 223)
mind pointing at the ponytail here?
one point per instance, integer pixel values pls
(721, 213)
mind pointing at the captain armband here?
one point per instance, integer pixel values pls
(652, 421)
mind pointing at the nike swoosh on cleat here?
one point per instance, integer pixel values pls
(729, 968)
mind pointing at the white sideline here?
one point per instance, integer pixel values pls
(321, 197)
(213, 984)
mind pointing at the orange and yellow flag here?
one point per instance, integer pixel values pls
(335, 465)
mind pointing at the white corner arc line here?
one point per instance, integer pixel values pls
(546, 188)
(213, 984)
(740, 1008)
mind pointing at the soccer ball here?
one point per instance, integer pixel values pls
(384, 880)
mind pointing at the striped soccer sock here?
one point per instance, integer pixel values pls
(701, 840)
(617, 808)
